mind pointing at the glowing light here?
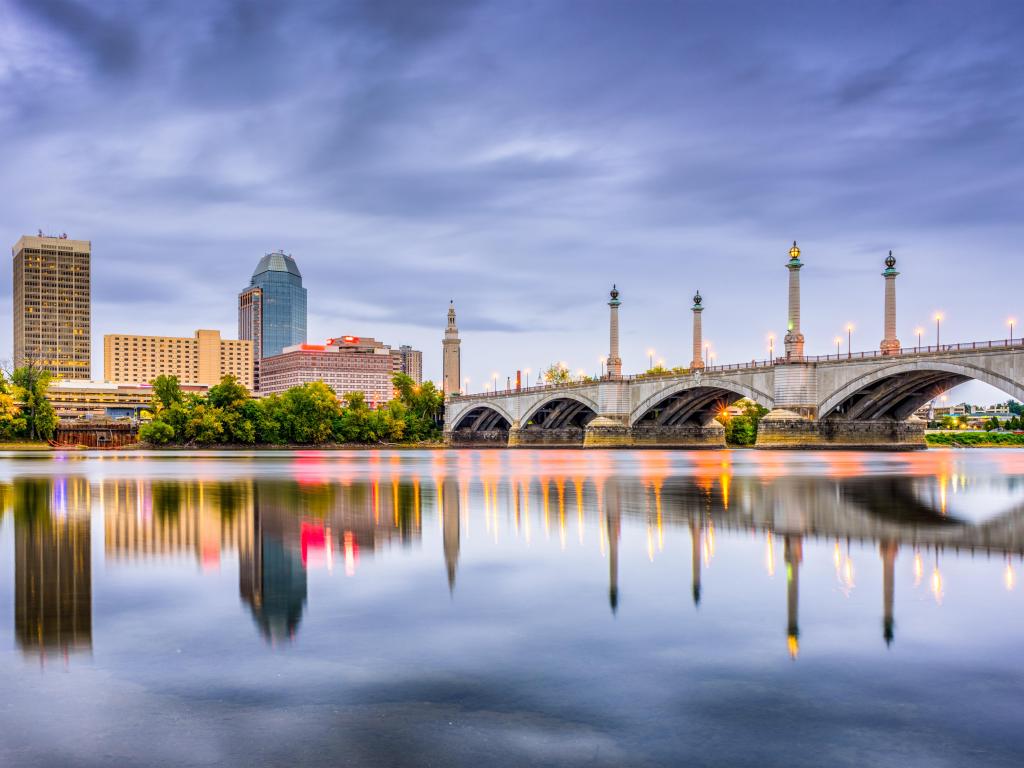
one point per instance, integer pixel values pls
(937, 585)
(918, 569)
(769, 558)
(793, 646)
(1009, 578)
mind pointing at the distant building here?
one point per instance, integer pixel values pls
(202, 359)
(409, 361)
(272, 310)
(52, 305)
(78, 398)
(346, 364)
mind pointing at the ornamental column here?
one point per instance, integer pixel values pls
(614, 361)
(698, 360)
(794, 339)
(890, 344)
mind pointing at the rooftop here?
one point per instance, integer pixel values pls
(277, 261)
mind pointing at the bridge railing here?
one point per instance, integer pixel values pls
(967, 346)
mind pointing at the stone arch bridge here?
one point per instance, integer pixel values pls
(848, 401)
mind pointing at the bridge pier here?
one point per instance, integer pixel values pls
(538, 437)
(779, 430)
(711, 435)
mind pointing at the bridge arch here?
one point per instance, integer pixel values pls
(561, 409)
(483, 417)
(896, 391)
(695, 399)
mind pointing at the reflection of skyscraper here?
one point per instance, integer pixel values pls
(888, 551)
(450, 525)
(52, 565)
(613, 517)
(793, 551)
(695, 536)
(271, 578)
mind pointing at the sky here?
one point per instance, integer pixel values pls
(521, 157)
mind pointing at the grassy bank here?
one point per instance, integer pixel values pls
(974, 439)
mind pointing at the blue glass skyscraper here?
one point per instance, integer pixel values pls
(272, 310)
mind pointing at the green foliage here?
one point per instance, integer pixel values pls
(742, 428)
(29, 385)
(1017, 409)
(974, 439)
(306, 415)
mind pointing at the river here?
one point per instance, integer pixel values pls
(506, 608)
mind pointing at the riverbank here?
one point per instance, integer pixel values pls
(974, 439)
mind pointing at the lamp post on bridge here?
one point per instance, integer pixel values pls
(794, 339)
(698, 331)
(890, 344)
(838, 340)
(938, 330)
(919, 331)
(614, 361)
(1011, 322)
(771, 347)
(849, 340)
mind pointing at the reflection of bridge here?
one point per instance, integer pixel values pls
(846, 400)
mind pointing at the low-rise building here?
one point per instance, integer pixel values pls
(204, 358)
(346, 364)
(79, 398)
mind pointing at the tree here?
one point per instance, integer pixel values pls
(557, 373)
(30, 385)
(156, 432)
(166, 392)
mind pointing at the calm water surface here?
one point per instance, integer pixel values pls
(512, 608)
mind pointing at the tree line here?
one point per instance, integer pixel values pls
(309, 414)
(25, 411)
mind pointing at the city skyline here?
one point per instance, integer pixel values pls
(674, 152)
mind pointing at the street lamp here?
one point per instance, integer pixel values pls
(527, 372)
(602, 360)
(661, 362)
(713, 356)
(580, 373)
(838, 340)
(919, 330)
(771, 347)
(650, 358)
(849, 340)
(494, 378)
(1011, 322)
(465, 385)
(938, 329)
(707, 353)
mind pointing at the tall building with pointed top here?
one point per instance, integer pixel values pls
(52, 305)
(451, 360)
(272, 310)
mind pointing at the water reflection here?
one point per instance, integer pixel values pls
(52, 567)
(325, 515)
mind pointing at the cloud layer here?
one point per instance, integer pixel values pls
(520, 158)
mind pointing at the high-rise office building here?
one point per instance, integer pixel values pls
(272, 310)
(202, 359)
(409, 361)
(52, 305)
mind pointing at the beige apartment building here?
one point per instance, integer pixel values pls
(202, 359)
(52, 305)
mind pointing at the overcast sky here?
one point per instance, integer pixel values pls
(519, 158)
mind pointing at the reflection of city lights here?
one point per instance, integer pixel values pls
(769, 560)
(937, 585)
(650, 544)
(918, 569)
(1009, 578)
(793, 645)
(351, 553)
(837, 558)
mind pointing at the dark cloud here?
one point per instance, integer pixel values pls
(520, 158)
